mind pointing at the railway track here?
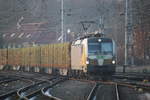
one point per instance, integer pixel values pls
(41, 89)
(25, 75)
(10, 92)
(23, 92)
(37, 91)
(12, 95)
(2, 77)
(33, 88)
(96, 95)
(117, 92)
(125, 93)
(93, 91)
(32, 91)
(7, 80)
(46, 91)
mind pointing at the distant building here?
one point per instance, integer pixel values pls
(28, 34)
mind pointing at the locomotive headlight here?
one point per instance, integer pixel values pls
(99, 40)
(87, 62)
(113, 62)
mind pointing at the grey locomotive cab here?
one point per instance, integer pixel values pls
(101, 55)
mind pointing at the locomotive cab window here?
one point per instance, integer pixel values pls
(106, 48)
(100, 46)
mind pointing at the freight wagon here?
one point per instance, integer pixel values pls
(90, 54)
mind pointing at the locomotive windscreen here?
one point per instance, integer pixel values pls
(100, 46)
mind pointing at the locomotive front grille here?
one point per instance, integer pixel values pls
(93, 61)
(107, 61)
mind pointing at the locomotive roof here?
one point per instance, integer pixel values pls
(103, 39)
(96, 37)
(91, 35)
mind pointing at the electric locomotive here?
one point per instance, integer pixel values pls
(94, 54)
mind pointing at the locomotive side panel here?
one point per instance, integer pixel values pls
(79, 55)
(76, 55)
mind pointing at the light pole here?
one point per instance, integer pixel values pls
(62, 20)
(126, 29)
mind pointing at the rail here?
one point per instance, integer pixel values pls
(93, 91)
(53, 84)
(13, 92)
(117, 92)
(39, 91)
